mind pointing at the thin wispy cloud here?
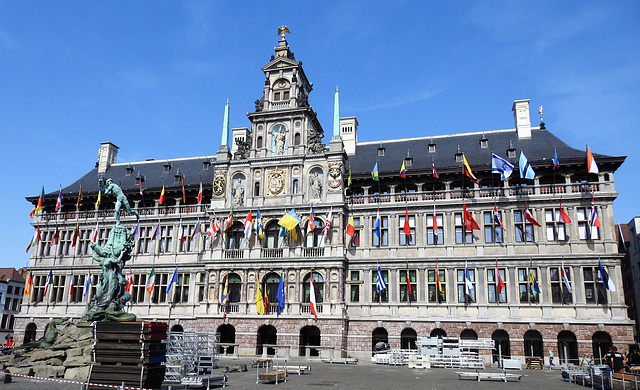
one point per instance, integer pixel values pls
(401, 100)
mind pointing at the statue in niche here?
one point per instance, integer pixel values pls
(279, 139)
(237, 191)
(316, 185)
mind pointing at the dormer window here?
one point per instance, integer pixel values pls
(484, 142)
(458, 155)
(382, 151)
(205, 165)
(177, 177)
(511, 152)
(432, 147)
(140, 179)
(408, 161)
(167, 167)
(129, 170)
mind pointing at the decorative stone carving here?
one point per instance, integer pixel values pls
(219, 183)
(276, 181)
(335, 175)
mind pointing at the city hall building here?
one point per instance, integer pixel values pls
(462, 252)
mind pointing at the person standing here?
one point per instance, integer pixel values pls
(551, 359)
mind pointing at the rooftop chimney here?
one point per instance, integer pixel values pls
(107, 156)
(521, 115)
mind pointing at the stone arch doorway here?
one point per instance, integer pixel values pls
(600, 343)
(502, 345)
(267, 334)
(379, 335)
(227, 336)
(568, 348)
(533, 344)
(408, 338)
(30, 333)
(309, 335)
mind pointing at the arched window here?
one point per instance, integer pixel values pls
(408, 339)
(296, 139)
(233, 290)
(256, 189)
(379, 339)
(502, 348)
(439, 333)
(318, 286)
(177, 328)
(309, 335)
(270, 289)
(533, 344)
(314, 237)
(600, 342)
(295, 186)
(568, 348)
(271, 234)
(235, 236)
(259, 142)
(281, 90)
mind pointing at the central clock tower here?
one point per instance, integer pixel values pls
(283, 123)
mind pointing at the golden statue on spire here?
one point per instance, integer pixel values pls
(283, 30)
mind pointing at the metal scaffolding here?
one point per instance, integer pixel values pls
(190, 355)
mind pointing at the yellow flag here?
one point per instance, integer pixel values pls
(259, 301)
(99, 199)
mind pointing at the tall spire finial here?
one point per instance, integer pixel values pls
(336, 116)
(283, 30)
(225, 127)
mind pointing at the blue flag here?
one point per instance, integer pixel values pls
(526, 171)
(501, 166)
(606, 280)
(380, 283)
(174, 279)
(280, 295)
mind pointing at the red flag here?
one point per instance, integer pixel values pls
(55, 239)
(469, 222)
(529, 216)
(565, 217)
(311, 225)
(500, 285)
(129, 281)
(266, 303)
(72, 288)
(591, 162)
(407, 229)
(312, 298)
(409, 283)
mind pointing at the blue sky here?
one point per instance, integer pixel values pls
(153, 77)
